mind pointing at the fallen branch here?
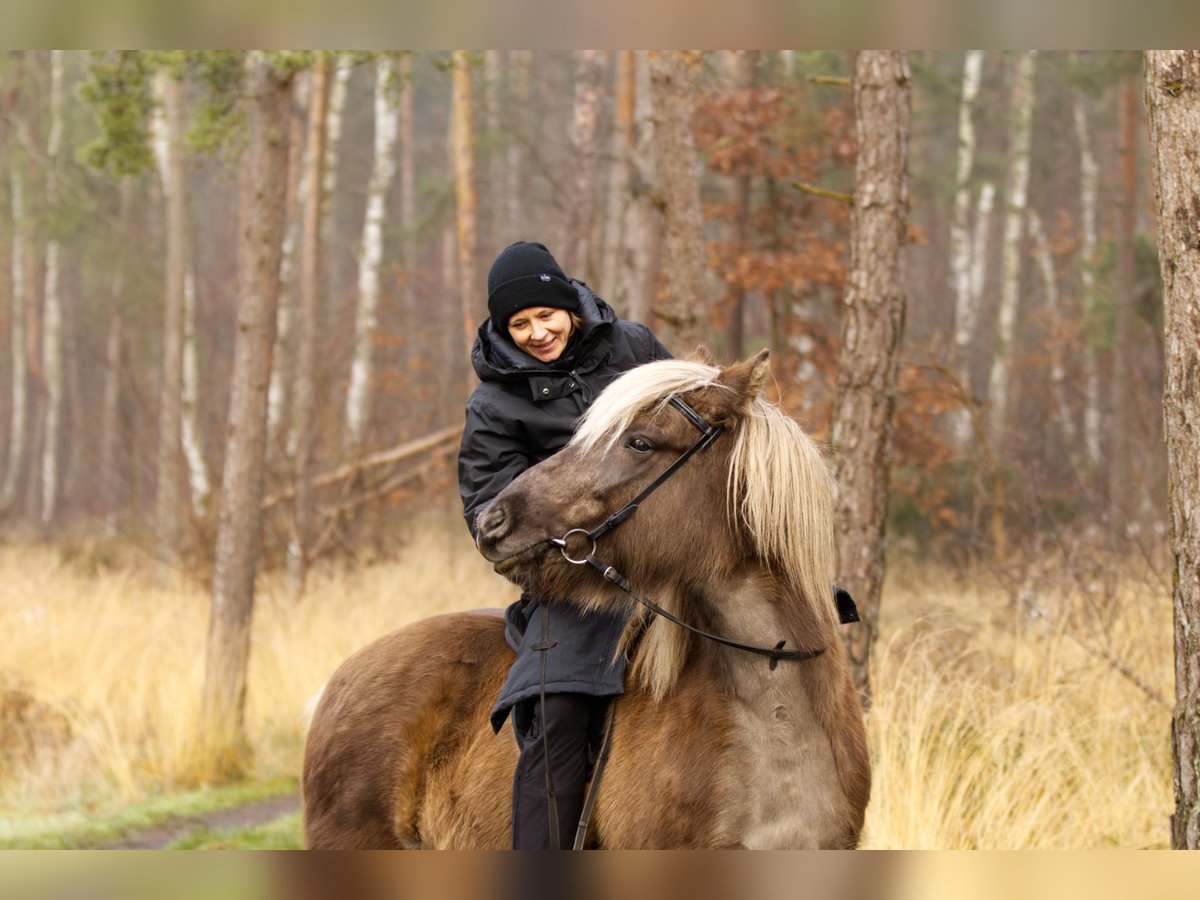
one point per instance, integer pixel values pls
(823, 192)
(434, 441)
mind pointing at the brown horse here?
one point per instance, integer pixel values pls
(711, 746)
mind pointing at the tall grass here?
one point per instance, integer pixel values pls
(101, 672)
(988, 729)
(994, 729)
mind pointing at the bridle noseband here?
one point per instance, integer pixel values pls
(708, 434)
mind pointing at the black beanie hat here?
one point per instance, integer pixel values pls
(524, 275)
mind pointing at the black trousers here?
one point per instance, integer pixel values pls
(571, 722)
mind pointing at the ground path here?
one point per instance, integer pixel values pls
(161, 836)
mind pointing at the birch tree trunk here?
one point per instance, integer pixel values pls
(1173, 100)
(618, 175)
(263, 189)
(965, 312)
(1089, 181)
(370, 256)
(199, 483)
(1000, 383)
(20, 370)
(307, 312)
(280, 428)
(1120, 468)
(464, 191)
(635, 290)
(1058, 369)
(685, 310)
(52, 345)
(585, 127)
(862, 423)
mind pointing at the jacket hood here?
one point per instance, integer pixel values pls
(496, 358)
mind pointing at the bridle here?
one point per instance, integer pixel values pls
(708, 434)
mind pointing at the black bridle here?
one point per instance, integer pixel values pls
(708, 434)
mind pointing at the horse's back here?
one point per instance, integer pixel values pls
(394, 717)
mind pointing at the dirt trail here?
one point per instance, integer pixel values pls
(161, 836)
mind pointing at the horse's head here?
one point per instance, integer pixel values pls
(759, 492)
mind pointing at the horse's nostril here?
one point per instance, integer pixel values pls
(494, 523)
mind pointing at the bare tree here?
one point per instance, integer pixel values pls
(1089, 184)
(263, 189)
(618, 173)
(20, 368)
(464, 191)
(1016, 198)
(307, 311)
(370, 256)
(1173, 99)
(642, 232)
(1120, 467)
(52, 339)
(685, 312)
(966, 312)
(585, 128)
(168, 145)
(861, 426)
(739, 73)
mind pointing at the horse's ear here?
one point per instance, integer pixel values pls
(747, 378)
(702, 354)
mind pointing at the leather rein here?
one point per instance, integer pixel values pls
(708, 434)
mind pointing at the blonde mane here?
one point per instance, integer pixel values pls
(779, 492)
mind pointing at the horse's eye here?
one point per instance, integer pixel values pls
(640, 444)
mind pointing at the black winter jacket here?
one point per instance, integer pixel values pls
(523, 412)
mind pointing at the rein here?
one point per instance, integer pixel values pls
(708, 434)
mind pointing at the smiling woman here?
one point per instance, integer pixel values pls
(546, 351)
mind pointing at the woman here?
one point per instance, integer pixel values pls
(547, 349)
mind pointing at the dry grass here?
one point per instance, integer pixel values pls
(988, 729)
(101, 674)
(994, 730)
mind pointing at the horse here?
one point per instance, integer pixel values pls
(710, 746)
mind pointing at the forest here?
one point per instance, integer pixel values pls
(179, 230)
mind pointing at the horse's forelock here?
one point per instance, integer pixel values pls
(635, 392)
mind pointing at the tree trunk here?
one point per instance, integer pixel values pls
(635, 290)
(279, 396)
(740, 75)
(110, 406)
(965, 311)
(199, 483)
(263, 189)
(20, 369)
(1000, 383)
(862, 423)
(1173, 100)
(370, 256)
(464, 192)
(585, 128)
(307, 313)
(1058, 369)
(52, 345)
(685, 312)
(618, 176)
(520, 65)
(1120, 469)
(1089, 182)
(168, 468)
(405, 151)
